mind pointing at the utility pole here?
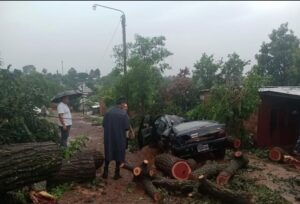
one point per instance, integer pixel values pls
(123, 21)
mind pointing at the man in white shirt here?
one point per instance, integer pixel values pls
(65, 120)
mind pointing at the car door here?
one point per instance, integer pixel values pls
(145, 131)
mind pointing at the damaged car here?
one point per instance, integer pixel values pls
(183, 138)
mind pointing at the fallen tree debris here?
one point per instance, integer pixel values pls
(173, 166)
(26, 163)
(183, 186)
(277, 154)
(209, 169)
(221, 193)
(239, 161)
(151, 190)
(80, 168)
(42, 197)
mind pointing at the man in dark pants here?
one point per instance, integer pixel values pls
(115, 124)
(65, 120)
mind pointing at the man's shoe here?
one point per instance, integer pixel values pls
(105, 174)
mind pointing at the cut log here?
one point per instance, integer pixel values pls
(158, 175)
(276, 154)
(193, 163)
(97, 155)
(151, 190)
(136, 171)
(208, 170)
(173, 166)
(183, 186)
(142, 170)
(98, 158)
(80, 168)
(26, 163)
(234, 143)
(221, 193)
(239, 161)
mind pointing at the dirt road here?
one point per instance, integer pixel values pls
(120, 191)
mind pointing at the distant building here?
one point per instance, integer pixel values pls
(84, 89)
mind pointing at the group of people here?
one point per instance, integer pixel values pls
(116, 132)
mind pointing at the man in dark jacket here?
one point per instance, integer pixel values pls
(115, 124)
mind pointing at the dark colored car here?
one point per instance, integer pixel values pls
(185, 139)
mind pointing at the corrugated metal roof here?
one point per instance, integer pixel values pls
(287, 90)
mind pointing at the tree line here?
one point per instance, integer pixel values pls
(233, 95)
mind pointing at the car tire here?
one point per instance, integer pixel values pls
(219, 154)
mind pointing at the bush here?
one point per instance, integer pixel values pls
(18, 120)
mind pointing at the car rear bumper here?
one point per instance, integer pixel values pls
(193, 149)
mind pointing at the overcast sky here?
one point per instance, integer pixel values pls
(45, 33)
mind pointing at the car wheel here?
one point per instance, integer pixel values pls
(219, 154)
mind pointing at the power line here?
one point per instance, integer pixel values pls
(110, 41)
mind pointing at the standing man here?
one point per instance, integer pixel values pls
(65, 120)
(115, 124)
(130, 132)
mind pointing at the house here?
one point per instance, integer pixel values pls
(278, 120)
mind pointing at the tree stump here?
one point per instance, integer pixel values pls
(27, 163)
(173, 166)
(239, 161)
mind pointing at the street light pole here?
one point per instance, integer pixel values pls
(123, 21)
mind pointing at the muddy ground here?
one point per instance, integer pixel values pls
(274, 176)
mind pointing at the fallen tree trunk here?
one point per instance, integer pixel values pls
(173, 166)
(151, 190)
(193, 163)
(182, 186)
(239, 161)
(142, 175)
(26, 163)
(80, 168)
(221, 193)
(98, 158)
(208, 170)
(136, 171)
